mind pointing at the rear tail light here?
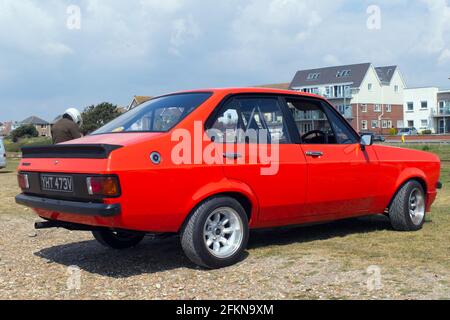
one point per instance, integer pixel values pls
(103, 186)
(22, 179)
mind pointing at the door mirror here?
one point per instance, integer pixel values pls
(366, 140)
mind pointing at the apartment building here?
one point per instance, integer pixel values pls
(420, 108)
(370, 98)
(441, 116)
(426, 109)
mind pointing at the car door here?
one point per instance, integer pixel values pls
(342, 176)
(260, 153)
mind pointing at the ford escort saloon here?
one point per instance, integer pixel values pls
(210, 165)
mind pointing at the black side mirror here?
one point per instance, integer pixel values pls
(366, 141)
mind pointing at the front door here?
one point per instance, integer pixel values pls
(342, 178)
(260, 154)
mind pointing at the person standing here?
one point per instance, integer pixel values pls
(68, 127)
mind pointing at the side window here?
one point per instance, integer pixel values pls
(227, 124)
(315, 127)
(344, 134)
(311, 121)
(243, 118)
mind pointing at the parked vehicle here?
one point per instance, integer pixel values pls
(2, 154)
(408, 132)
(183, 164)
(375, 137)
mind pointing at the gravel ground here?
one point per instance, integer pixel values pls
(333, 261)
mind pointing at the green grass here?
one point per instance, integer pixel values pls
(11, 165)
(16, 146)
(442, 150)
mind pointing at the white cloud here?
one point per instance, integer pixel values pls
(183, 30)
(331, 60)
(444, 57)
(436, 28)
(154, 46)
(56, 49)
(166, 6)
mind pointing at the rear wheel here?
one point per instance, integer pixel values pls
(117, 239)
(216, 234)
(407, 211)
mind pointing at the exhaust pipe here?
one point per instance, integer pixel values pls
(46, 225)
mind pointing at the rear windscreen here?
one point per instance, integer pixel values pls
(157, 115)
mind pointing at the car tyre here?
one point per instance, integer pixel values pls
(407, 211)
(117, 240)
(216, 233)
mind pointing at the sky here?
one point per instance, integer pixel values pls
(56, 54)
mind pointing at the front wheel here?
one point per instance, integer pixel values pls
(216, 234)
(117, 239)
(407, 211)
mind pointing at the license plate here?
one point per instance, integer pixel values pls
(56, 183)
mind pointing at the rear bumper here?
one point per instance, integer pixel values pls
(79, 208)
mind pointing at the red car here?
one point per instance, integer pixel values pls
(209, 165)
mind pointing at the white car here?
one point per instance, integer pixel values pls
(2, 154)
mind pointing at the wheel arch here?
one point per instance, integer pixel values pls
(412, 174)
(407, 176)
(233, 189)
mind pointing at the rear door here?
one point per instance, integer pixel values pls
(259, 152)
(342, 178)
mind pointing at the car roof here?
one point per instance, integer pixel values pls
(237, 90)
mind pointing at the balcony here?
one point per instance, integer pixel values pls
(442, 112)
(345, 111)
(338, 96)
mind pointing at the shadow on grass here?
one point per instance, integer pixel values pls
(152, 256)
(4, 172)
(309, 233)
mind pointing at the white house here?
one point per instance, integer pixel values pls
(420, 108)
(370, 98)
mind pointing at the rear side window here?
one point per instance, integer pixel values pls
(241, 118)
(157, 115)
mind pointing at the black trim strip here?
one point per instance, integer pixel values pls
(79, 208)
(66, 151)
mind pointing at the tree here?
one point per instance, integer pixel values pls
(95, 117)
(24, 131)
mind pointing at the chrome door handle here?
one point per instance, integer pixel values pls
(314, 153)
(232, 155)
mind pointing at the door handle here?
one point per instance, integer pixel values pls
(232, 155)
(314, 154)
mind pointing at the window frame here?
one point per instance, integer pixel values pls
(223, 104)
(210, 93)
(421, 105)
(408, 103)
(291, 127)
(364, 125)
